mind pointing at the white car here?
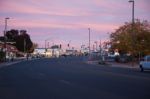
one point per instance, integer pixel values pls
(145, 64)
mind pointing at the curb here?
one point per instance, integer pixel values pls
(124, 65)
(9, 63)
(5, 64)
(119, 65)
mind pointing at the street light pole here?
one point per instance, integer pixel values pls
(24, 45)
(45, 44)
(5, 36)
(69, 44)
(89, 40)
(133, 34)
(45, 47)
(100, 46)
(96, 46)
(132, 1)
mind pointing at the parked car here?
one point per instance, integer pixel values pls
(124, 58)
(145, 63)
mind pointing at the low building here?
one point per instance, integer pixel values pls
(39, 52)
(56, 51)
(71, 52)
(53, 51)
(10, 50)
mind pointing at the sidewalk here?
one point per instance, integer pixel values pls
(92, 62)
(123, 65)
(8, 63)
(16, 60)
(115, 64)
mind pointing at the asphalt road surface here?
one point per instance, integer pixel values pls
(71, 78)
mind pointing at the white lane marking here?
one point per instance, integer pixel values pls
(65, 82)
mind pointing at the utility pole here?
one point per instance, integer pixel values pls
(100, 46)
(89, 40)
(132, 1)
(133, 34)
(96, 46)
(5, 39)
(69, 44)
(45, 45)
(24, 45)
(48, 44)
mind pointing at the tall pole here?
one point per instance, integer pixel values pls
(100, 48)
(96, 46)
(132, 1)
(48, 44)
(5, 39)
(133, 34)
(24, 45)
(132, 11)
(89, 40)
(45, 47)
(69, 44)
(93, 47)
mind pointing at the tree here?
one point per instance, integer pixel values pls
(23, 42)
(134, 42)
(12, 34)
(34, 45)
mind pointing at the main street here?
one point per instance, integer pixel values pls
(71, 78)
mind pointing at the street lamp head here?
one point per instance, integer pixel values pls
(131, 0)
(7, 18)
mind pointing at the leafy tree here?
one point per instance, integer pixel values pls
(23, 42)
(131, 41)
(12, 34)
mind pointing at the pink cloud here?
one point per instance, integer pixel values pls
(16, 7)
(20, 23)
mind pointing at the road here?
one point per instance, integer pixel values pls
(71, 78)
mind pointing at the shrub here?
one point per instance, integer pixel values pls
(2, 56)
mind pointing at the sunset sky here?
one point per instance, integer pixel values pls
(62, 21)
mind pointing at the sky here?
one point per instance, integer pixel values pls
(67, 21)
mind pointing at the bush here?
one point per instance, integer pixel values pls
(2, 56)
(124, 59)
